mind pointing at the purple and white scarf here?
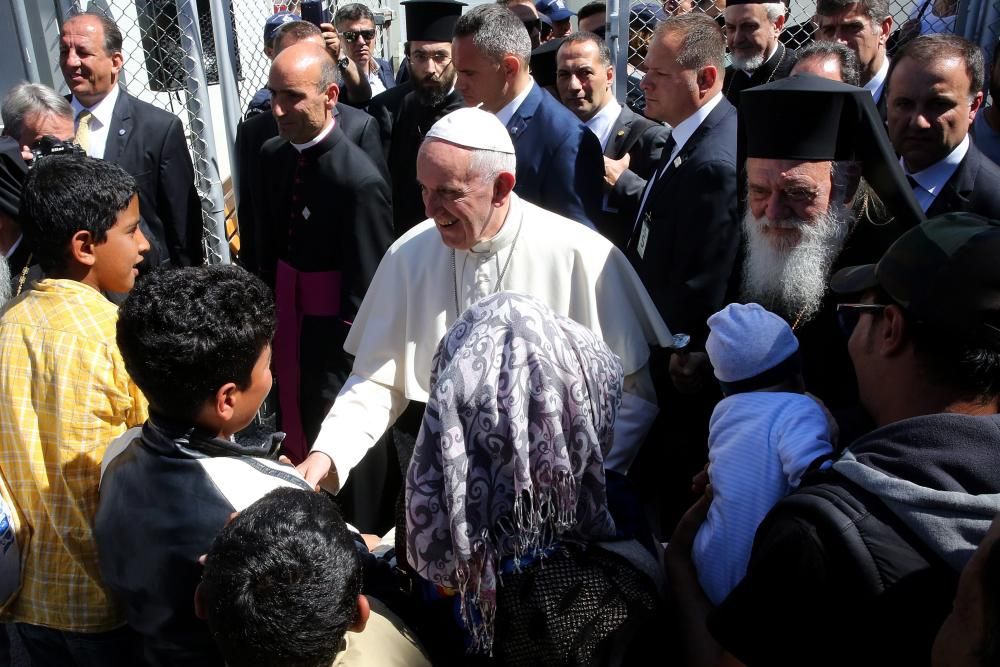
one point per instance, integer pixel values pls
(510, 455)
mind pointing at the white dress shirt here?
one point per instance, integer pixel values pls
(877, 84)
(511, 108)
(100, 123)
(603, 121)
(931, 180)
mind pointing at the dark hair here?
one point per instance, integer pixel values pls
(966, 362)
(353, 12)
(928, 48)
(294, 30)
(848, 59)
(281, 582)
(875, 10)
(67, 194)
(590, 9)
(582, 37)
(186, 332)
(496, 32)
(112, 35)
(703, 44)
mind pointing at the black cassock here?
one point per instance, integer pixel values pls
(777, 67)
(404, 121)
(323, 220)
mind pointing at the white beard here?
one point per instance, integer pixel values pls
(5, 288)
(747, 64)
(791, 280)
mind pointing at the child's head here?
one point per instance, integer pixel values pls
(752, 349)
(81, 216)
(282, 583)
(197, 341)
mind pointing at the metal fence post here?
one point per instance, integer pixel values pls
(616, 32)
(25, 40)
(202, 136)
(225, 54)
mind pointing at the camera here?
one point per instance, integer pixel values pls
(49, 145)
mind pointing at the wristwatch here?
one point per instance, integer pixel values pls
(343, 63)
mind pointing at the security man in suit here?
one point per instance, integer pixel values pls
(935, 91)
(145, 141)
(632, 145)
(559, 163)
(683, 242)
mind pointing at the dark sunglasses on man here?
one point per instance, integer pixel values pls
(532, 25)
(848, 314)
(352, 35)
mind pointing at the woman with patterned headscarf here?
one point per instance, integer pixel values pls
(506, 503)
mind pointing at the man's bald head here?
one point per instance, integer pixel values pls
(303, 85)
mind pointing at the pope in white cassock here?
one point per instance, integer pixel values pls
(480, 239)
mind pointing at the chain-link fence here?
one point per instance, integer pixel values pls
(169, 61)
(631, 24)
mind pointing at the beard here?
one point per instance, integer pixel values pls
(5, 286)
(430, 91)
(791, 279)
(747, 63)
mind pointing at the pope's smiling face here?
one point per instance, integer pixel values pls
(466, 207)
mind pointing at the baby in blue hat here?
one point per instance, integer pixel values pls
(762, 437)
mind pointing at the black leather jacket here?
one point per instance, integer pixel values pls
(166, 491)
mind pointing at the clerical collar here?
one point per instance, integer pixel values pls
(690, 125)
(507, 232)
(13, 248)
(508, 111)
(877, 84)
(933, 178)
(102, 111)
(603, 122)
(319, 137)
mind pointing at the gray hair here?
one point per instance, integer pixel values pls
(26, 99)
(487, 165)
(775, 10)
(875, 10)
(496, 32)
(848, 59)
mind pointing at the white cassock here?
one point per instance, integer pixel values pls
(411, 303)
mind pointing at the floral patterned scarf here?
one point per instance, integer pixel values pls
(510, 455)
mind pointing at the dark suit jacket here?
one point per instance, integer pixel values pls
(693, 227)
(559, 163)
(973, 188)
(255, 131)
(149, 144)
(643, 140)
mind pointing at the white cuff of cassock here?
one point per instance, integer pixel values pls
(363, 412)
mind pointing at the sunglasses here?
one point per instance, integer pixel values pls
(848, 314)
(533, 24)
(352, 35)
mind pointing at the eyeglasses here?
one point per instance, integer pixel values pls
(422, 57)
(352, 35)
(848, 314)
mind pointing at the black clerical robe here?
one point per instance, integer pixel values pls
(776, 67)
(323, 222)
(404, 120)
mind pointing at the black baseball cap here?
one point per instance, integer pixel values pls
(945, 272)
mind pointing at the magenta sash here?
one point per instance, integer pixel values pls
(298, 293)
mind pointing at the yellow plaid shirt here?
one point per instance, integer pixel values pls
(64, 396)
